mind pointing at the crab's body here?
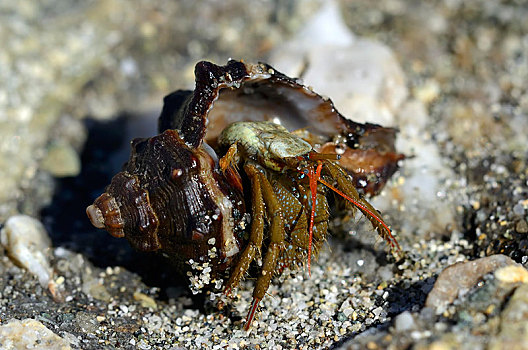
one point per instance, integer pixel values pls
(280, 164)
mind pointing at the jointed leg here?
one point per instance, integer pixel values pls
(314, 176)
(274, 249)
(350, 193)
(231, 158)
(256, 234)
(229, 166)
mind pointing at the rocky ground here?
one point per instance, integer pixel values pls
(79, 80)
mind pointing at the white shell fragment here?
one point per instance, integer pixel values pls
(362, 76)
(30, 334)
(27, 242)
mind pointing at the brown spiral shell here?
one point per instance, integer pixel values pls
(169, 198)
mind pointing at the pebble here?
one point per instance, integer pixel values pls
(512, 274)
(521, 226)
(364, 81)
(28, 243)
(518, 209)
(86, 322)
(145, 300)
(385, 273)
(93, 287)
(425, 171)
(427, 92)
(404, 322)
(460, 277)
(513, 322)
(30, 334)
(62, 160)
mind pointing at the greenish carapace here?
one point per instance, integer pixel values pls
(266, 142)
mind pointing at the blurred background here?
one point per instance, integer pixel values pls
(80, 79)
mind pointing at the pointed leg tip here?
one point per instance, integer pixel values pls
(251, 313)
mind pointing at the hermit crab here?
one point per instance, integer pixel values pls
(240, 173)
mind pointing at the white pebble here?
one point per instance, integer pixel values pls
(30, 334)
(27, 242)
(404, 322)
(518, 209)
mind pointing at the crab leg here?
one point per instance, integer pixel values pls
(229, 166)
(350, 193)
(274, 249)
(256, 234)
(314, 177)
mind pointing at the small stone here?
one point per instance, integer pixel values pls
(372, 346)
(123, 308)
(92, 286)
(96, 290)
(86, 322)
(404, 322)
(145, 300)
(72, 339)
(27, 242)
(513, 323)
(348, 311)
(441, 345)
(354, 315)
(490, 309)
(385, 273)
(521, 226)
(427, 92)
(371, 88)
(62, 160)
(460, 277)
(512, 274)
(30, 334)
(143, 345)
(518, 209)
